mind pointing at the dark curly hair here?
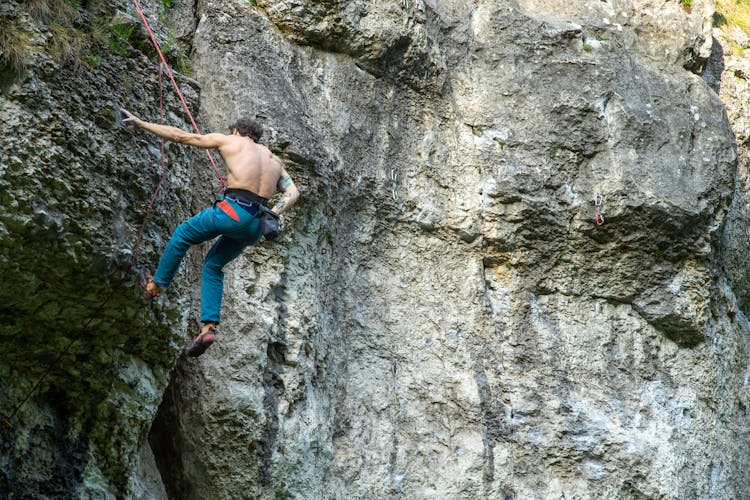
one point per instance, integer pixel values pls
(248, 127)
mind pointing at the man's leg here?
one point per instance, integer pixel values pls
(212, 280)
(197, 229)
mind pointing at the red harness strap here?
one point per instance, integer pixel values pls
(229, 210)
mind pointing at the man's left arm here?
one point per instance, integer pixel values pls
(290, 192)
(174, 134)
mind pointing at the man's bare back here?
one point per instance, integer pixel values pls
(251, 166)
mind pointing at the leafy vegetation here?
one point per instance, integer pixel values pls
(60, 20)
(119, 41)
(79, 32)
(48, 10)
(67, 44)
(15, 44)
(733, 13)
(93, 61)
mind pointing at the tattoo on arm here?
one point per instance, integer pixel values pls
(281, 204)
(290, 194)
(284, 182)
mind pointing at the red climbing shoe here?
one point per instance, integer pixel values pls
(202, 342)
(150, 288)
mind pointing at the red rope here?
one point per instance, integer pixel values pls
(222, 181)
(161, 179)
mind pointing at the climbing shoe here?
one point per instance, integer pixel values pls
(202, 342)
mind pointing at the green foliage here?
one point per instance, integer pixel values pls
(587, 47)
(736, 48)
(68, 27)
(15, 44)
(168, 4)
(184, 66)
(733, 13)
(67, 43)
(93, 61)
(119, 39)
(48, 10)
(169, 45)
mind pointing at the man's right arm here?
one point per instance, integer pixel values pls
(175, 134)
(289, 190)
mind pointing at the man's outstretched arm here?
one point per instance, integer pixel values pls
(174, 134)
(291, 193)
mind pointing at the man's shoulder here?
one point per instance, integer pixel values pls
(223, 138)
(267, 153)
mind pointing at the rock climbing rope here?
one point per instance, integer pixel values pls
(134, 256)
(6, 424)
(163, 66)
(222, 180)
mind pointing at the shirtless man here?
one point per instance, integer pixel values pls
(254, 175)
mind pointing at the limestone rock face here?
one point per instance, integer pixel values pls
(84, 361)
(442, 317)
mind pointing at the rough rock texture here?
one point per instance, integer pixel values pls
(728, 74)
(442, 318)
(84, 361)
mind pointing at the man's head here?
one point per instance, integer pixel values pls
(248, 127)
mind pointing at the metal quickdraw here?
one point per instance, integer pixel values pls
(598, 216)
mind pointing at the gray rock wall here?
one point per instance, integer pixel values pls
(84, 361)
(442, 318)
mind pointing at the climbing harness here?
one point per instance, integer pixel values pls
(598, 216)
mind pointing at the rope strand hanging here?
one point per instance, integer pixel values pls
(163, 170)
(222, 180)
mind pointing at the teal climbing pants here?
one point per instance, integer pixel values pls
(236, 225)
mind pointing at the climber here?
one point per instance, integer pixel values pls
(254, 175)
